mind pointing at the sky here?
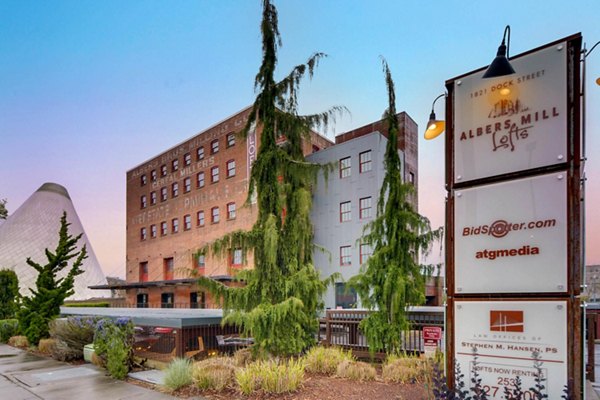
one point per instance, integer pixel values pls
(91, 89)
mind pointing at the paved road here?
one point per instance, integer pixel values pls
(24, 376)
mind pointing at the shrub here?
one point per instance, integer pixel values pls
(271, 376)
(404, 370)
(94, 305)
(242, 357)
(113, 343)
(18, 341)
(325, 360)
(46, 346)
(356, 370)
(9, 293)
(71, 335)
(178, 374)
(214, 373)
(8, 328)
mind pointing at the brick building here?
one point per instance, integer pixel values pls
(183, 199)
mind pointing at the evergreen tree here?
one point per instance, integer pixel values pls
(3, 210)
(50, 293)
(9, 293)
(392, 279)
(279, 303)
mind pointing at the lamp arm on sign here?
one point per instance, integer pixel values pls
(435, 127)
(500, 66)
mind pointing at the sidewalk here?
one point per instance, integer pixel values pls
(24, 376)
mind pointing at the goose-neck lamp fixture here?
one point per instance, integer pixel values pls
(435, 127)
(500, 66)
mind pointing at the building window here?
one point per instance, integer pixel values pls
(197, 300)
(142, 300)
(231, 211)
(153, 231)
(345, 297)
(143, 180)
(169, 268)
(214, 174)
(187, 184)
(163, 194)
(143, 233)
(231, 139)
(144, 271)
(365, 208)
(411, 178)
(163, 170)
(365, 252)
(365, 161)
(163, 228)
(230, 168)
(236, 257)
(175, 225)
(175, 189)
(200, 180)
(345, 255)
(153, 175)
(200, 261)
(174, 165)
(200, 153)
(153, 198)
(200, 218)
(187, 159)
(167, 300)
(143, 202)
(345, 211)
(187, 222)
(345, 167)
(214, 146)
(214, 215)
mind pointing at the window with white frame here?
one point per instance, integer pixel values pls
(236, 257)
(345, 211)
(187, 184)
(365, 162)
(153, 198)
(214, 174)
(187, 159)
(175, 225)
(153, 231)
(143, 202)
(366, 209)
(230, 168)
(143, 180)
(231, 211)
(153, 175)
(175, 189)
(345, 167)
(163, 228)
(163, 170)
(200, 153)
(214, 146)
(175, 165)
(214, 215)
(345, 255)
(231, 139)
(143, 233)
(200, 218)
(187, 222)
(365, 252)
(200, 180)
(163, 194)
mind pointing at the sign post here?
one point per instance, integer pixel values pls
(513, 248)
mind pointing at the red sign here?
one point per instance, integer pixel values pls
(432, 333)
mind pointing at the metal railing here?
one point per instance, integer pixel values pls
(342, 328)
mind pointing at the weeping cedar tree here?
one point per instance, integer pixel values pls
(9, 293)
(392, 279)
(38, 310)
(279, 302)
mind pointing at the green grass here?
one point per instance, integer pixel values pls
(325, 360)
(178, 374)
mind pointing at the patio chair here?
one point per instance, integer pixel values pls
(201, 349)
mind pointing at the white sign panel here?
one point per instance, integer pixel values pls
(515, 122)
(511, 237)
(507, 337)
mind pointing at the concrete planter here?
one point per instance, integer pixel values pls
(88, 350)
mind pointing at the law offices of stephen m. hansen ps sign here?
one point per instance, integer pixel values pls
(511, 237)
(506, 335)
(515, 122)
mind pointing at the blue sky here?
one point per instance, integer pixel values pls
(90, 89)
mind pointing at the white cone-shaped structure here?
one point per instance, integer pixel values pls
(33, 228)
